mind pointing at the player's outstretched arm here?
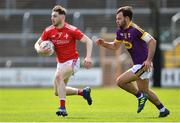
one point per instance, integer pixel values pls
(109, 45)
(89, 46)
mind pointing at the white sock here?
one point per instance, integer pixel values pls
(162, 109)
(140, 96)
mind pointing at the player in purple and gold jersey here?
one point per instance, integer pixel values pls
(141, 47)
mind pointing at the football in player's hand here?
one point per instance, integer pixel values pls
(46, 48)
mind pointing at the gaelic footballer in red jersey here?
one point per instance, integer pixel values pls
(64, 37)
(64, 40)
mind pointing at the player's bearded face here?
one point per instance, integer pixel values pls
(56, 19)
(120, 20)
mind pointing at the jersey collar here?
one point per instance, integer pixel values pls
(130, 23)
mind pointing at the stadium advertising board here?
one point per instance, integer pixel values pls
(44, 77)
(170, 77)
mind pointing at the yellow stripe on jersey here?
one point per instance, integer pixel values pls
(120, 41)
(137, 27)
(144, 34)
(127, 44)
(130, 24)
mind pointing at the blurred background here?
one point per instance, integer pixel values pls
(22, 22)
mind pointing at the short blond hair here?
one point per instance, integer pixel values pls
(59, 9)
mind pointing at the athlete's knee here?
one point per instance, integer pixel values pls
(58, 78)
(119, 82)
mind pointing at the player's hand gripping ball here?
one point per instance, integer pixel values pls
(47, 48)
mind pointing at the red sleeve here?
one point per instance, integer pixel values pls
(44, 35)
(78, 34)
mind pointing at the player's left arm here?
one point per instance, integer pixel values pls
(151, 42)
(89, 46)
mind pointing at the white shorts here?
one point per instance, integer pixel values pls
(75, 63)
(139, 70)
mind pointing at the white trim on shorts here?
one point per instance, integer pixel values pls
(139, 70)
(75, 63)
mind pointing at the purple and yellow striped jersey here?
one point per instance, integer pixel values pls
(133, 38)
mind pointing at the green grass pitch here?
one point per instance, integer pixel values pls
(109, 105)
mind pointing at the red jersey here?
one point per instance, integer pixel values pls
(64, 41)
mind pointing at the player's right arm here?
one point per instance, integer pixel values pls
(109, 45)
(40, 50)
(37, 45)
